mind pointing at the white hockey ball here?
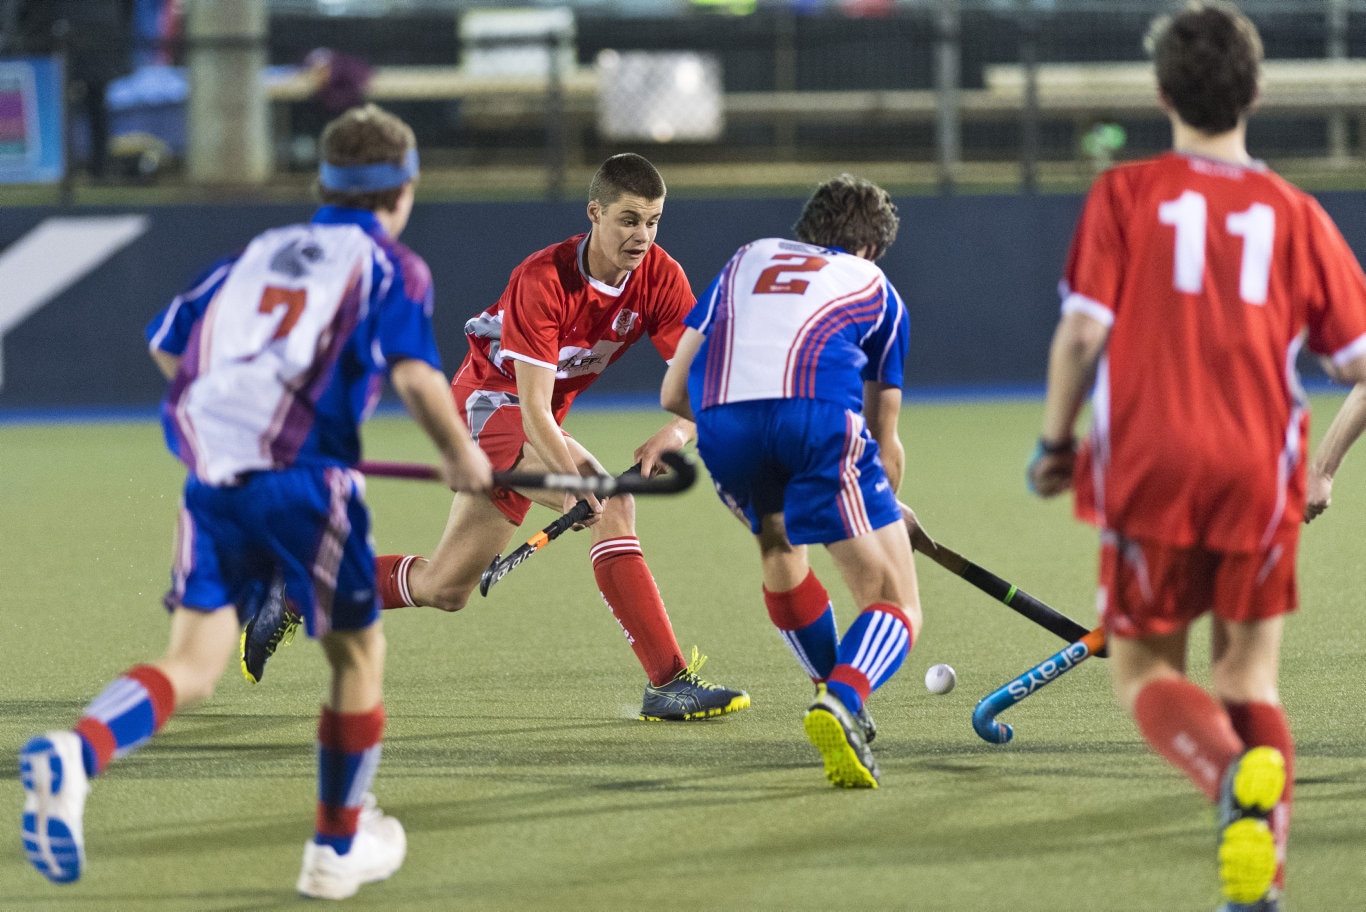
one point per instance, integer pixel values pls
(940, 678)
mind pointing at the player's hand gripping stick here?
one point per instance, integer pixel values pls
(502, 566)
(1008, 694)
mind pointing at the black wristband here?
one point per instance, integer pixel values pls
(1057, 449)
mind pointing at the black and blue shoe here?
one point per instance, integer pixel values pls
(272, 626)
(687, 698)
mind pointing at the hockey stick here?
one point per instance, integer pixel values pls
(1019, 601)
(502, 566)
(412, 470)
(1008, 694)
(680, 479)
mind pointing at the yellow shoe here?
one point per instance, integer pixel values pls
(1252, 788)
(840, 739)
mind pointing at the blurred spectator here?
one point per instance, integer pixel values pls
(1102, 143)
(341, 79)
(339, 83)
(97, 38)
(156, 25)
(866, 8)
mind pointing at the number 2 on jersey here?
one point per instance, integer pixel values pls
(1256, 225)
(771, 280)
(291, 299)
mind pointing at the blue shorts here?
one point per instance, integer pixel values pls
(308, 525)
(810, 460)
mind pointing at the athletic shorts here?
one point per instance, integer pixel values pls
(810, 460)
(495, 422)
(1152, 589)
(307, 524)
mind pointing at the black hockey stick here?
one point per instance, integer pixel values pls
(682, 476)
(502, 566)
(1019, 601)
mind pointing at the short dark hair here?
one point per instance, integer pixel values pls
(850, 213)
(365, 135)
(627, 173)
(1208, 58)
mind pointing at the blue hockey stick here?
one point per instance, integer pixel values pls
(1049, 670)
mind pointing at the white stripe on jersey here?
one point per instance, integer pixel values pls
(895, 316)
(169, 319)
(1076, 303)
(1350, 351)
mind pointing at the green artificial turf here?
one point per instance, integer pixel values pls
(514, 759)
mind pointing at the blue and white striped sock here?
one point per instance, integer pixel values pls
(869, 654)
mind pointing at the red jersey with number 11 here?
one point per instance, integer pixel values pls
(1211, 276)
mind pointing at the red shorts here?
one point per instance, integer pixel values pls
(495, 421)
(1151, 589)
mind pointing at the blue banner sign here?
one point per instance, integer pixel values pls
(31, 119)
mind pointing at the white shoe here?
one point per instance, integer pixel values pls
(55, 786)
(376, 853)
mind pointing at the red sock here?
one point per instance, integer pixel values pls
(348, 753)
(629, 590)
(1264, 724)
(799, 606)
(1190, 729)
(806, 621)
(391, 574)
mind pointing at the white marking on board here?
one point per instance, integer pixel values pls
(54, 256)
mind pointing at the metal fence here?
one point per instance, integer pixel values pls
(920, 91)
(806, 82)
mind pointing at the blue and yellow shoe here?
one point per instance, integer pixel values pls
(1252, 787)
(688, 698)
(839, 737)
(55, 787)
(272, 626)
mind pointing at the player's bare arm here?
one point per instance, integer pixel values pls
(535, 386)
(1346, 427)
(671, 438)
(166, 362)
(673, 394)
(881, 409)
(1077, 345)
(426, 396)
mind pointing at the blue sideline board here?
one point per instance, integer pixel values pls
(32, 114)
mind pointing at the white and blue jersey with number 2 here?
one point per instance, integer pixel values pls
(283, 351)
(793, 331)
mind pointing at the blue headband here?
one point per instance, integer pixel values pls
(368, 178)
